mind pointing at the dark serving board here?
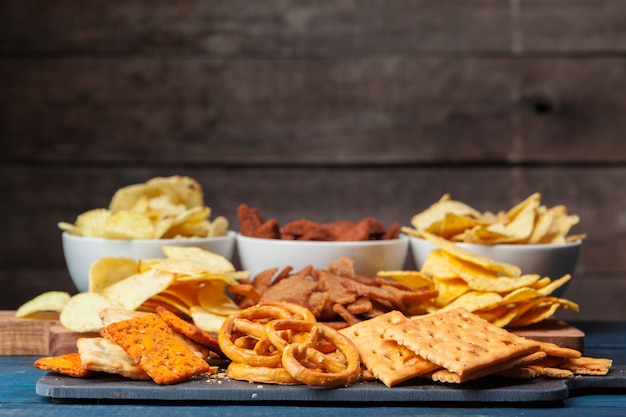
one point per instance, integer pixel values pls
(488, 389)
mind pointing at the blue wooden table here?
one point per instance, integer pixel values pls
(18, 397)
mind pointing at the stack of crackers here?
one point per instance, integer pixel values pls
(455, 346)
(159, 346)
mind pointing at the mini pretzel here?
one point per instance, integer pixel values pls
(306, 363)
(248, 323)
(245, 372)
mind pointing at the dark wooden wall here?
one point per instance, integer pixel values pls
(325, 109)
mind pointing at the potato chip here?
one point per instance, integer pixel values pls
(128, 225)
(92, 222)
(213, 298)
(109, 270)
(207, 321)
(127, 197)
(474, 300)
(208, 260)
(458, 252)
(51, 301)
(185, 190)
(82, 312)
(133, 291)
(481, 279)
(415, 279)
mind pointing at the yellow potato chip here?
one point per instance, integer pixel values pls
(207, 321)
(449, 289)
(212, 297)
(187, 293)
(474, 300)
(133, 291)
(219, 226)
(518, 230)
(182, 189)
(554, 285)
(461, 253)
(82, 312)
(50, 301)
(436, 212)
(109, 270)
(170, 302)
(91, 223)
(128, 225)
(453, 224)
(127, 197)
(415, 279)
(208, 260)
(481, 279)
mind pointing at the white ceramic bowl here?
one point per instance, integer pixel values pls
(80, 252)
(548, 260)
(257, 254)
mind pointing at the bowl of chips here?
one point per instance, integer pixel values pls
(139, 220)
(530, 236)
(81, 252)
(265, 244)
(553, 261)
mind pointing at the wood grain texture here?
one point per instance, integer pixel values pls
(324, 110)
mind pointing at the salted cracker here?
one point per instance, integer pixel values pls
(460, 341)
(387, 360)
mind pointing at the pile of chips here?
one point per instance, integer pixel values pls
(161, 208)
(497, 292)
(190, 282)
(528, 222)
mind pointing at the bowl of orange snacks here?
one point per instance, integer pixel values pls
(263, 245)
(140, 220)
(530, 236)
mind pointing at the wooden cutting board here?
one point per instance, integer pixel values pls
(49, 338)
(25, 337)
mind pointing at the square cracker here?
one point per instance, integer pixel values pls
(388, 361)
(460, 341)
(152, 344)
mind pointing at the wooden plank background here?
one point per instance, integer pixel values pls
(319, 109)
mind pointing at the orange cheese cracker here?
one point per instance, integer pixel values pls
(190, 330)
(387, 360)
(68, 364)
(152, 344)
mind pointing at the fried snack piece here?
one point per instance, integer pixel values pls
(103, 355)
(152, 344)
(335, 294)
(68, 364)
(387, 360)
(368, 228)
(190, 330)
